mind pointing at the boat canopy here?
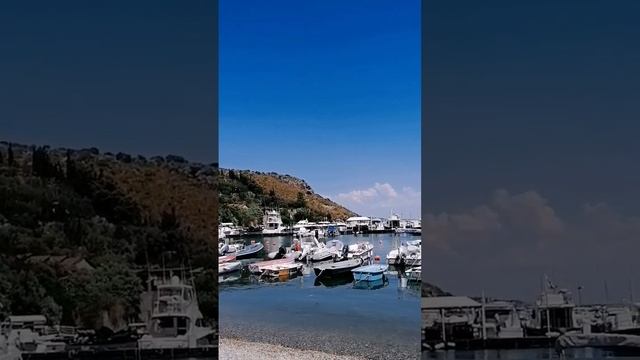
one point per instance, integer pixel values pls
(35, 319)
(358, 218)
(448, 302)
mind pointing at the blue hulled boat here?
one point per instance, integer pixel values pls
(373, 272)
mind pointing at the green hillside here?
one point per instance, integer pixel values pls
(245, 194)
(76, 225)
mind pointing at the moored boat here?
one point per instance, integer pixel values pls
(624, 345)
(333, 249)
(229, 267)
(336, 268)
(282, 270)
(226, 258)
(414, 274)
(176, 321)
(258, 267)
(362, 250)
(369, 272)
(249, 251)
(371, 285)
(405, 255)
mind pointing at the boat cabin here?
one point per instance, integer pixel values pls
(450, 318)
(35, 323)
(554, 310)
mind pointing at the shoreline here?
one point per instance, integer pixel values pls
(289, 341)
(237, 349)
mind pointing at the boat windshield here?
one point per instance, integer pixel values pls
(169, 326)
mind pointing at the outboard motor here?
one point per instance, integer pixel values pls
(281, 253)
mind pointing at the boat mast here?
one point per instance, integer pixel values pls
(484, 319)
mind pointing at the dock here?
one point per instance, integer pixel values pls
(127, 353)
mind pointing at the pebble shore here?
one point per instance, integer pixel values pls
(330, 344)
(233, 349)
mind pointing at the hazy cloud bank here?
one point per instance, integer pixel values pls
(507, 244)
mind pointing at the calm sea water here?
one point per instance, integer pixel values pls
(302, 304)
(527, 354)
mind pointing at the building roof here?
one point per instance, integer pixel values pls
(448, 302)
(27, 319)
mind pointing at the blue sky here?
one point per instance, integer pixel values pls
(328, 91)
(131, 76)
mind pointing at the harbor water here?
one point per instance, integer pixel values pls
(325, 316)
(522, 354)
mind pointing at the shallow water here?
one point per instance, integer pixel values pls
(384, 316)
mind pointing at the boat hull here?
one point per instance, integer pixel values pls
(229, 267)
(258, 268)
(204, 352)
(337, 268)
(249, 251)
(371, 285)
(369, 273)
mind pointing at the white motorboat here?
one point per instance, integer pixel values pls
(333, 249)
(405, 254)
(176, 321)
(305, 247)
(226, 248)
(226, 230)
(304, 228)
(272, 223)
(362, 250)
(28, 336)
(229, 267)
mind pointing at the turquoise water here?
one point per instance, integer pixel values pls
(390, 313)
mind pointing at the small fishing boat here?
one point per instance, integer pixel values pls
(249, 251)
(258, 267)
(229, 267)
(333, 249)
(226, 258)
(282, 270)
(336, 268)
(362, 250)
(369, 272)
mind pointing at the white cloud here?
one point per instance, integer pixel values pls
(513, 239)
(380, 199)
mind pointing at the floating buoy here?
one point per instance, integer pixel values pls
(376, 258)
